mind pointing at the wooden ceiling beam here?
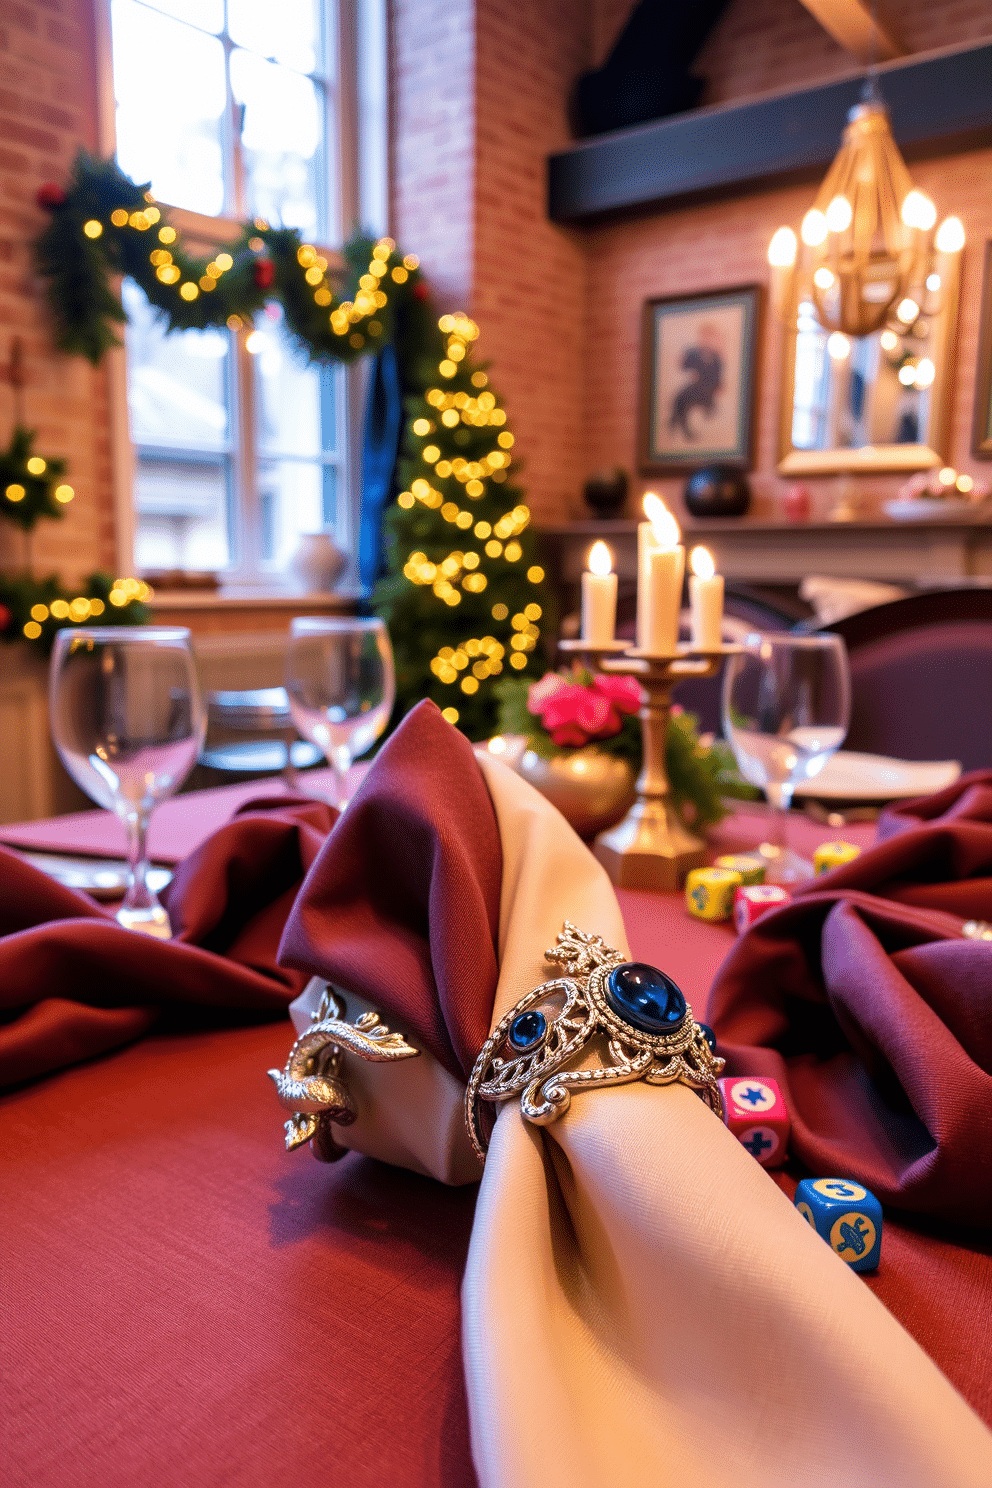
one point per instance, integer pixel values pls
(860, 27)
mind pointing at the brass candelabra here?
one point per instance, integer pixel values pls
(652, 848)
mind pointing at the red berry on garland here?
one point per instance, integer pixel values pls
(264, 272)
(50, 196)
(420, 290)
(5, 617)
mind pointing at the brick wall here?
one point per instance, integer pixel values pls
(529, 290)
(47, 109)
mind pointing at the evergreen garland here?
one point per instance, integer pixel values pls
(31, 486)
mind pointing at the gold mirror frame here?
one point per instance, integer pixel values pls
(878, 458)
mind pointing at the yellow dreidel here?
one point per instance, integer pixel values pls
(831, 854)
(748, 865)
(709, 892)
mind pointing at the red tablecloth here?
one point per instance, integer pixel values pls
(193, 1306)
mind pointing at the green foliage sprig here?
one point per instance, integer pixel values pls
(31, 485)
(34, 609)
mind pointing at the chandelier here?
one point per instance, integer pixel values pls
(867, 256)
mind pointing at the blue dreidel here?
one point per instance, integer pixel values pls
(846, 1215)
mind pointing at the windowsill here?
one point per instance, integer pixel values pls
(235, 598)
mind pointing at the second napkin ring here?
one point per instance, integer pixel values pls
(641, 1023)
(311, 1085)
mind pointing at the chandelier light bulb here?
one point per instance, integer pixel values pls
(823, 278)
(933, 283)
(839, 214)
(814, 228)
(838, 346)
(889, 340)
(907, 375)
(782, 249)
(919, 211)
(925, 372)
(907, 310)
(950, 236)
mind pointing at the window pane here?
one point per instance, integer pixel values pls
(295, 403)
(207, 14)
(281, 137)
(182, 509)
(288, 32)
(177, 385)
(169, 81)
(296, 496)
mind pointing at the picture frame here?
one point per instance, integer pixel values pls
(699, 364)
(981, 439)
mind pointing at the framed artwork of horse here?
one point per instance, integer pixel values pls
(698, 370)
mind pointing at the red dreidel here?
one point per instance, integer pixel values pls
(755, 1111)
(752, 901)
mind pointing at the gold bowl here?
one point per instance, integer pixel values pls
(590, 788)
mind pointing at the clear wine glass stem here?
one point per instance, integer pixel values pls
(140, 908)
(340, 759)
(779, 793)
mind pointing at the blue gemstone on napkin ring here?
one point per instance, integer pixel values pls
(311, 1085)
(627, 1020)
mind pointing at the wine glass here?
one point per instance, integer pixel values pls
(786, 707)
(341, 686)
(128, 722)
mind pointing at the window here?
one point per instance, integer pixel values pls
(236, 109)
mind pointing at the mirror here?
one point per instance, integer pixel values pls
(878, 402)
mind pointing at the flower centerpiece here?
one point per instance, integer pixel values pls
(584, 749)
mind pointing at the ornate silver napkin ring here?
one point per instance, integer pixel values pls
(631, 1015)
(311, 1085)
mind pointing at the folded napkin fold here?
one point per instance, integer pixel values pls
(74, 984)
(866, 1003)
(642, 1304)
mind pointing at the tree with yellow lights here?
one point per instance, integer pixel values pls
(465, 599)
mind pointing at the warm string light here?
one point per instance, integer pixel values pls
(82, 608)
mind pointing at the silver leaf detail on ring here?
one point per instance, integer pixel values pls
(626, 1020)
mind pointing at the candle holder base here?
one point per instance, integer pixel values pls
(649, 849)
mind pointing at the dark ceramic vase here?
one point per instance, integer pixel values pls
(717, 491)
(605, 492)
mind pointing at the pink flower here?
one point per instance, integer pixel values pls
(539, 692)
(623, 692)
(573, 715)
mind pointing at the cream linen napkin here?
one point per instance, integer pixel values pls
(641, 1303)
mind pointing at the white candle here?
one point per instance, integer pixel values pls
(660, 568)
(705, 600)
(599, 597)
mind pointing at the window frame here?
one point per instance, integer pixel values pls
(356, 143)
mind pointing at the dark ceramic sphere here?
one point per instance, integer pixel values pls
(605, 492)
(717, 491)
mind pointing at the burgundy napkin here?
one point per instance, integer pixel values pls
(74, 984)
(402, 905)
(865, 1002)
(969, 798)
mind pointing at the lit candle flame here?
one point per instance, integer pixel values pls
(701, 563)
(666, 529)
(600, 559)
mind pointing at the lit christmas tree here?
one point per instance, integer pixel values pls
(465, 599)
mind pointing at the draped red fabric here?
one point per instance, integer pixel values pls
(402, 904)
(865, 1001)
(74, 984)
(970, 797)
